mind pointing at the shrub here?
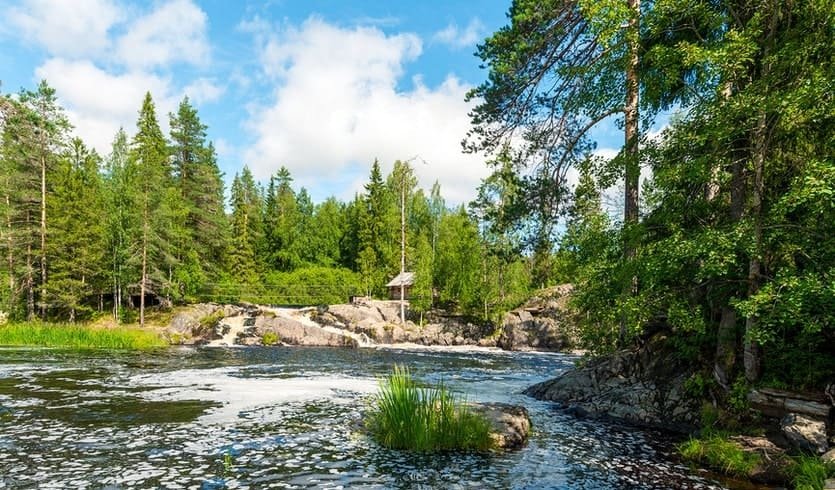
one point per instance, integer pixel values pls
(269, 338)
(425, 419)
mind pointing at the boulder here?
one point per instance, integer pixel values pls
(294, 332)
(805, 433)
(829, 457)
(197, 323)
(542, 323)
(643, 386)
(510, 424)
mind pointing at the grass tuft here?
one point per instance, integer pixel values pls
(425, 419)
(810, 473)
(719, 453)
(78, 337)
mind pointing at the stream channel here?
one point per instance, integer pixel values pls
(207, 418)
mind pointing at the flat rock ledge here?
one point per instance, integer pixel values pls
(510, 424)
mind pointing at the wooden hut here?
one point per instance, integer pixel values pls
(407, 280)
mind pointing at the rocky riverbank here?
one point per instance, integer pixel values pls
(648, 386)
(540, 324)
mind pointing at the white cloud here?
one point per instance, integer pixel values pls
(175, 31)
(459, 38)
(73, 28)
(98, 102)
(336, 106)
(104, 55)
(204, 90)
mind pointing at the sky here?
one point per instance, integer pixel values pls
(322, 87)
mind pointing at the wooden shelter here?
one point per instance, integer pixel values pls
(407, 280)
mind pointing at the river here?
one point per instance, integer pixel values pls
(286, 418)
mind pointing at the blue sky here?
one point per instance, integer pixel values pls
(322, 87)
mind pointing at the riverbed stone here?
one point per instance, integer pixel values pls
(510, 424)
(805, 433)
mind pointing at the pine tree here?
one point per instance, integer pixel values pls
(152, 188)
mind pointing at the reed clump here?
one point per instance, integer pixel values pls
(408, 416)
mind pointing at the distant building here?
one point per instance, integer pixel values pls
(407, 280)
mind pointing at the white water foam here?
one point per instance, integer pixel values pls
(238, 394)
(236, 327)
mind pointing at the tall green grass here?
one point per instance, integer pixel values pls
(78, 337)
(425, 419)
(810, 473)
(719, 453)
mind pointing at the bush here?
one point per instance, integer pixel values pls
(407, 416)
(269, 338)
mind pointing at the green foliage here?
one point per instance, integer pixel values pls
(425, 419)
(211, 320)
(270, 338)
(809, 472)
(719, 453)
(309, 286)
(78, 337)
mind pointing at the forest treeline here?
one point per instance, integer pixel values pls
(85, 234)
(730, 244)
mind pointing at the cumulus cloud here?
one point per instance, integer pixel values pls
(204, 90)
(66, 27)
(104, 55)
(337, 106)
(98, 102)
(175, 31)
(458, 38)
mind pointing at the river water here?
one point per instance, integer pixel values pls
(287, 418)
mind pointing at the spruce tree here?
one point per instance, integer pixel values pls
(77, 236)
(152, 189)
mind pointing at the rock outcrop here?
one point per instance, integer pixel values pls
(543, 323)
(805, 433)
(643, 386)
(510, 424)
(296, 332)
(198, 323)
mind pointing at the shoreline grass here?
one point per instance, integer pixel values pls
(37, 334)
(425, 419)
(719, 453)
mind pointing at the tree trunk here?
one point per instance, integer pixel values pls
(751, 349)
(143, 282)
(30, 285)
(43, 231)
(10, 258)
(632, 170)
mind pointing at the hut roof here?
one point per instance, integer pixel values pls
(404, 279)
